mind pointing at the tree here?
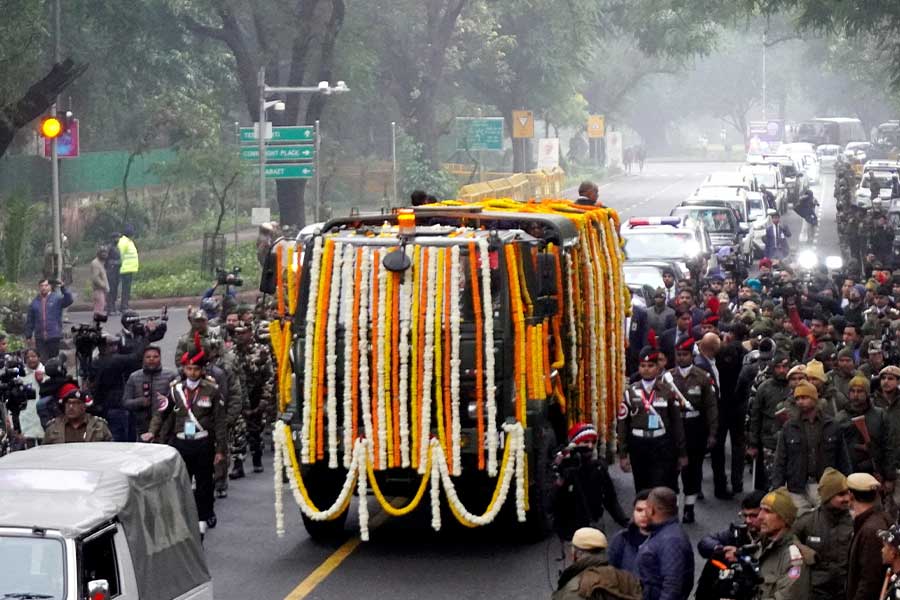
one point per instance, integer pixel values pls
(255, 34)
(36, 100)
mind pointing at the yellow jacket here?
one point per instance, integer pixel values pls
(129, 254)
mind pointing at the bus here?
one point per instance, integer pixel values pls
(831, 130)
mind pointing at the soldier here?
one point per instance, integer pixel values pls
(887, 398)
(827, 530)
(255, 362)
(229, 377)
(764, 424)
(868, 433)
(199, 321)
(865, 572)
(698, 399)
(650, 428)
(784, 563)
(195, 412)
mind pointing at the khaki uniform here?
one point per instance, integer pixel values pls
(784, 567)
(701, 420)
(95, 430)
(651, 434)
(827, 532)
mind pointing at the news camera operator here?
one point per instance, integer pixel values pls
(107, 385)
(137, 332)
(231, 280)
(727, 546)
(583, 486)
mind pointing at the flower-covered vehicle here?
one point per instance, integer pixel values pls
(445, 350)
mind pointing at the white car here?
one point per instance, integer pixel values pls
(669, 239)
(828, 155)
(857, 150)
(805, 157)
(885, 178)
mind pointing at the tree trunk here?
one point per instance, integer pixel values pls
(37, 100)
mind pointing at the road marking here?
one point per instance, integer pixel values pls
(330, 564)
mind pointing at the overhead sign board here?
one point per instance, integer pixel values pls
(523, 124)
(290, 171)
(479, 133)
(596, 127)
(280, 153)
(281, 134)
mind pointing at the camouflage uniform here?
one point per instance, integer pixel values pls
(255, 363)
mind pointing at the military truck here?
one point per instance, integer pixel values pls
(425, 343)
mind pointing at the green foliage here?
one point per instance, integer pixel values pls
(16, 228)
(179, 275)
(416, 172)
(14, 301)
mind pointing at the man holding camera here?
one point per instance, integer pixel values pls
(44, 320)
(137, 331)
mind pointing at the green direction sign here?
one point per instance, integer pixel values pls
(290, 171)
(281, 134)
(479, 133)
(276, 153)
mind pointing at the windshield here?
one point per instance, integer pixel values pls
(31, 567)
(636, 276)
(766, 178)
(883, 177)
(658, 245)
(715, 221)
(756, 208)
(829, 151)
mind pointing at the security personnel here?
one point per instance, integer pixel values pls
(865, 572)
(784, 563)
(195, 412)
(827, 530)
(255, 362)
(764, 425)
(868, 433)
(890, 554)
(700, 411)
(650, 428)
(199, 321)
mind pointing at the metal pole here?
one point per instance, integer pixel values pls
(54, 157)
(261, 132)
(318, 133)
(237, 141)
(764, 101)
(394, 159)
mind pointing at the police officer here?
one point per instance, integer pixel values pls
(195, 412)
(827, 530)
(784, 563)
(254, 360)
(199, 321)
(650, 428)
(700, 413)
(764, 425)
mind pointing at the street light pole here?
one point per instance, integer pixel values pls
(765, 43)
(54, 158)
(260, 135)
(394, 161)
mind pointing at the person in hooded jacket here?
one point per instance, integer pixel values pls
(591, 576)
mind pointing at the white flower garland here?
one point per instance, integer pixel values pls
(360, 454)
(331, 354)
(490, 385)
(378, 368)
(570, 309)
(435, 485)
(308, 384)
(405, 292)
(455, 427)
(428, 360)
(348, 289)
(590, 315)
(606, 288)
(277, 471)
(364, 309)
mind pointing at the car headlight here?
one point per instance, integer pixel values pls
(834, 263)
(692, 249)
(807, 260)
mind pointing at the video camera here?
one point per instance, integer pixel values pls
(135, 323)
(14, 393)
(571, 459)
(232, 277)
(739, 580)
(88, 337)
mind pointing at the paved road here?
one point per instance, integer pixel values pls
(405, 559)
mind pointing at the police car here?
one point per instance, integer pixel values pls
(671, 239)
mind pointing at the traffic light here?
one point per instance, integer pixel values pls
(54, 126)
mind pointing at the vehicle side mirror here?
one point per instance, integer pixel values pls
(98, 589)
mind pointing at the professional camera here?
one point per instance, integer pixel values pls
(135, 323)
(739, 581)
(571, 459)
(14, 393)
(88, 337)
(232, 277)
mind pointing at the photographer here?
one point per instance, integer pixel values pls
(138, 332)
(231, 280)
(43, 324)
(108, 385)
(727, 544)
(583, 485)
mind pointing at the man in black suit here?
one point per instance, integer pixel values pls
(671, 337)
(638, 334)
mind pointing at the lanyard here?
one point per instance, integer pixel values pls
(647, 400)
(190, 396)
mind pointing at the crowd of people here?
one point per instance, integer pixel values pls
(793, 372)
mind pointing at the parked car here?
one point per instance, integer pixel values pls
(828, 155)
(669, 239)
(100, 520)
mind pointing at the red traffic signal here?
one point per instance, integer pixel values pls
(54, 126)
